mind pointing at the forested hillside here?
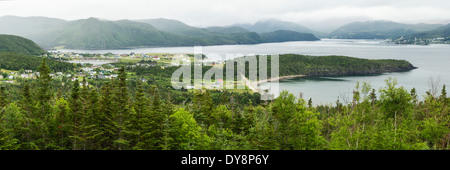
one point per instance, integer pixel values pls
(292, 64)
(295, 64)
(16, 44)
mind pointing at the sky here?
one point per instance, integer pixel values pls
(322, 15)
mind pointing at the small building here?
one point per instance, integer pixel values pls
(25, 76)
(101, 76)
(143, 80)
(28, 71)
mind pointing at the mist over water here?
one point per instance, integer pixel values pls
(432, 61)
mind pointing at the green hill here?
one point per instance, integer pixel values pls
(338, 65)
(11, 43)
(296, 64)
(379, 30)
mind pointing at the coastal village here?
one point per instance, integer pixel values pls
(101, 66)
(420, 41)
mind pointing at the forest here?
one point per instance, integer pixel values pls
(127, 114)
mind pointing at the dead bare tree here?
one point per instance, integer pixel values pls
(434, 84)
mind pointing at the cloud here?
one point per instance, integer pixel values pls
(215, 12)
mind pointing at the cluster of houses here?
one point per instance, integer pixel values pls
(98, 72)
(27, 74)
(423, 41)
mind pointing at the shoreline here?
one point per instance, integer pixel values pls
(279, 78)
(254, 85)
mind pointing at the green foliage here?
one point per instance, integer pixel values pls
(187, 133)
(337, 65)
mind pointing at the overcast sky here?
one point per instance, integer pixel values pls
(316, 14)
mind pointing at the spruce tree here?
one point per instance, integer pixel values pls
(76, 117)
(3, 98)
(443, 96)
(141, 120)
(105, 117)
(121, 115)
(44, 90)
(90, 122)
(30, 129)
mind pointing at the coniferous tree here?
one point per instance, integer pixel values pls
(61, 124)
(76, 116)
(105, 117)
(44, 91)
(121, 115)
(90, 121)
(156, 120)
(3, 98)
(30, 129)
(95, 119)
(141, 122)
(10, 120)
(443, 96)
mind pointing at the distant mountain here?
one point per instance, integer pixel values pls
(16, 44)
(226, 30)
(175, 26)
(285, 35)
(440, 32)
(274, 25)
(28, 26)
(95, 33)
(205, 36)
(379, 30)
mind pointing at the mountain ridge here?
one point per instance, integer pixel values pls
(93, 33)
(379, 29)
